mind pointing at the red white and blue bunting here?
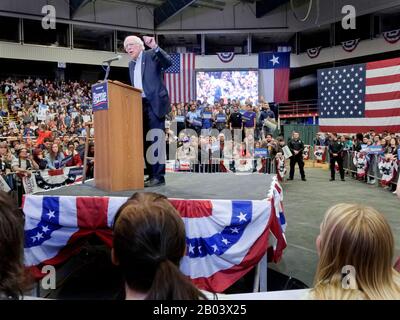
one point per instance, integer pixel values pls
(313, 52)
(392, 36)
(226, 57)
(350, 45)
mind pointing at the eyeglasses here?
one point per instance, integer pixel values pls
(128, 45)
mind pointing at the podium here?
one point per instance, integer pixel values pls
(118, 132)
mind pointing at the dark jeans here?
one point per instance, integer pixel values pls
(151, 121)
(339, 161)
(293, 161)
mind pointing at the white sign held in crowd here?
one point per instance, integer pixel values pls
(42, 113)
(29, 183)
(286, 152)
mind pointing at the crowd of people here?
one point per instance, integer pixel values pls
(344, 147)
(216, 85)
(46, 125)
(42, 124)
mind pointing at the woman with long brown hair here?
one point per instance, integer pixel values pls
(355, 237)
(149, 242)
(13, 281)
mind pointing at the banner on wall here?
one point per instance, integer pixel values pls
(225, 57)
(392, 36)
(350, 45)
(313, 52)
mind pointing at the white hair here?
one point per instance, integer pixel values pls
(134, 40)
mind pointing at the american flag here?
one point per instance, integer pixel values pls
(357, 98)
(179, 78)
(225, 239)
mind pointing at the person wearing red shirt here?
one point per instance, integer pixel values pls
(43, 133)
(76, 160)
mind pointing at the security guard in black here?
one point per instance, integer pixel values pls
(296, 146)
(336, 155)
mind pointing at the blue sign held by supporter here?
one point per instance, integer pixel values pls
(221, 118)
(100, 96)
(260, 153)
(76, 171)
(65, 160)
(197, 122)
(180, 118)
(375, 150)
(207, 115)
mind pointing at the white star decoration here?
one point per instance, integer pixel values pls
(235, 230)
(242, 217)
(45, 229)
(191, 248)
(215, 247)
(225, 241)
(39, 235)
(51, 214)
(274, 60)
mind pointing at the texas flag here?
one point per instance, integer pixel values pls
(274, 69)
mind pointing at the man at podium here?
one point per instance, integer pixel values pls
(145, 71)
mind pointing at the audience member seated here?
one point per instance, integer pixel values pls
(13, 281)
(358, 237)
(149, 242)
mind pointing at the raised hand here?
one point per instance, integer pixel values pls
(150, 42)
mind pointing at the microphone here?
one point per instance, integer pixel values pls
(116, 58)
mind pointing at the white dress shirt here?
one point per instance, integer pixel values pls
(137, 75)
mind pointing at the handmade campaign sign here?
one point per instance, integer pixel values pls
(42, 112)
(221, 118)
(100, 96)
(286, 152)
(260, 153)
(180, 118)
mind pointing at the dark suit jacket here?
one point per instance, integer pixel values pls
(153, 65)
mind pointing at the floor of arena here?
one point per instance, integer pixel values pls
(305, 204)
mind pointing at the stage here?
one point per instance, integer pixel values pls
(230, 221)
(224, 186)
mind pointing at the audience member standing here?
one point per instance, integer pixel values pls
(336, 156)
(296, 146)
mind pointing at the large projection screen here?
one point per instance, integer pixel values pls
(241, 85)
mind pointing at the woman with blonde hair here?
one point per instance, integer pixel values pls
(356, 238)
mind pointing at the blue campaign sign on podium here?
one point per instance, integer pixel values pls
(100, 96)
